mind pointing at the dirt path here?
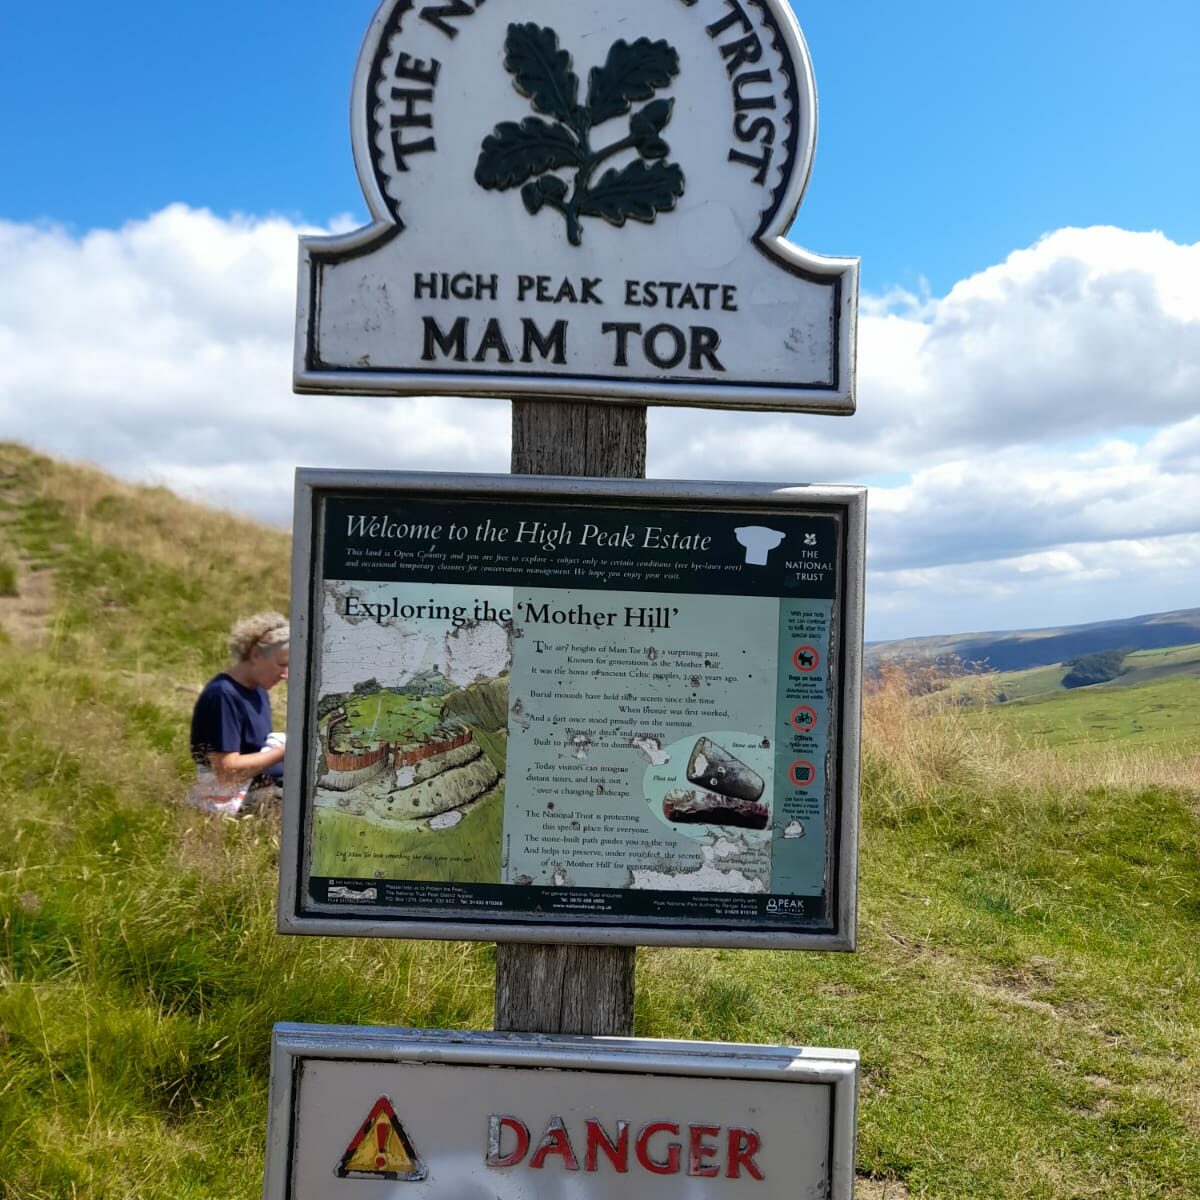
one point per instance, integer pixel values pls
(25, 617)
(881, 1189)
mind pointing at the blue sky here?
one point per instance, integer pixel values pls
(950, 132)
(1027, 412)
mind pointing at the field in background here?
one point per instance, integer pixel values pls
(1140, 667)
(1162, 717)
(1026, 996)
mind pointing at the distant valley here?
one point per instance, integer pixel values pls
(1022, 649)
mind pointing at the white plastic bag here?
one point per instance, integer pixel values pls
(210, 795)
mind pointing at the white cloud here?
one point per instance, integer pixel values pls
(1036, 429)
(162, 351)
(1088, 332)
(1068, 585)
(1028, 500)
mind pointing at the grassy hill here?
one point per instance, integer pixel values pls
(1026, 996)
(1160, 716)
(1139, 668)
(1023, 649)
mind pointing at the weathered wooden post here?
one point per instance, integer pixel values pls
(566, 988)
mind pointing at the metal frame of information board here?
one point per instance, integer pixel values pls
(297, 914)
(296, 1046)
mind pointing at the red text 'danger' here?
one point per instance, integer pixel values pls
(658, 1147)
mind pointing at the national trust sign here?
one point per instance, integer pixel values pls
(582, 199)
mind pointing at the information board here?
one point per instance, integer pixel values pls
(574, 710)
(375, 1113)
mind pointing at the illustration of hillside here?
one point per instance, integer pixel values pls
(412, 775)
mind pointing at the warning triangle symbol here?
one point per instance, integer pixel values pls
(381, 1149)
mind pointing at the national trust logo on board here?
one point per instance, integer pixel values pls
(582, 199)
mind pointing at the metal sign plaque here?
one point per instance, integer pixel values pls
(582, 200)
(384, 1114)
(574, 710)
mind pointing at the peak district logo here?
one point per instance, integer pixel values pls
(534, 154)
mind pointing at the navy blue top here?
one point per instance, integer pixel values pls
(229, 718)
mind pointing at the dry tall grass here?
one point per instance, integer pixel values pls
(152, 522)
(923, 739)
(917, 740)
(146, 581)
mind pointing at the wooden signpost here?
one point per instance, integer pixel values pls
(569, 988)
(582, 209)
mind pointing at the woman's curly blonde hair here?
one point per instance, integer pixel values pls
(268, 630)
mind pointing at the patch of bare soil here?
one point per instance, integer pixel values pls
(886, 1188)
(25, 617)
(1027, 986)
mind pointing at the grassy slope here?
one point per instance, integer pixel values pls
(1163, 715)
(1026, 996)
(1143, 666)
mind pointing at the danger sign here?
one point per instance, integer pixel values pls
(511, 1116)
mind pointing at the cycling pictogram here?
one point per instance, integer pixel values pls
(804, 718)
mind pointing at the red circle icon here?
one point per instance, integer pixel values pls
(804, 719)
(802, 772)
(806, 659)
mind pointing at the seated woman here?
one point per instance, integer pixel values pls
(236, 752)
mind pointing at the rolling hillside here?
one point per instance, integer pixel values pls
(1138, 668)
(1023, 649)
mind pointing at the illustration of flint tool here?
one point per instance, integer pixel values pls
(688, 807)
(713, 767)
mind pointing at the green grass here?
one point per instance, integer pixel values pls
(1162, 716)
(1022, 685)
(144, 580)
(1026, 995)
(1143, 666)
(8, 574)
